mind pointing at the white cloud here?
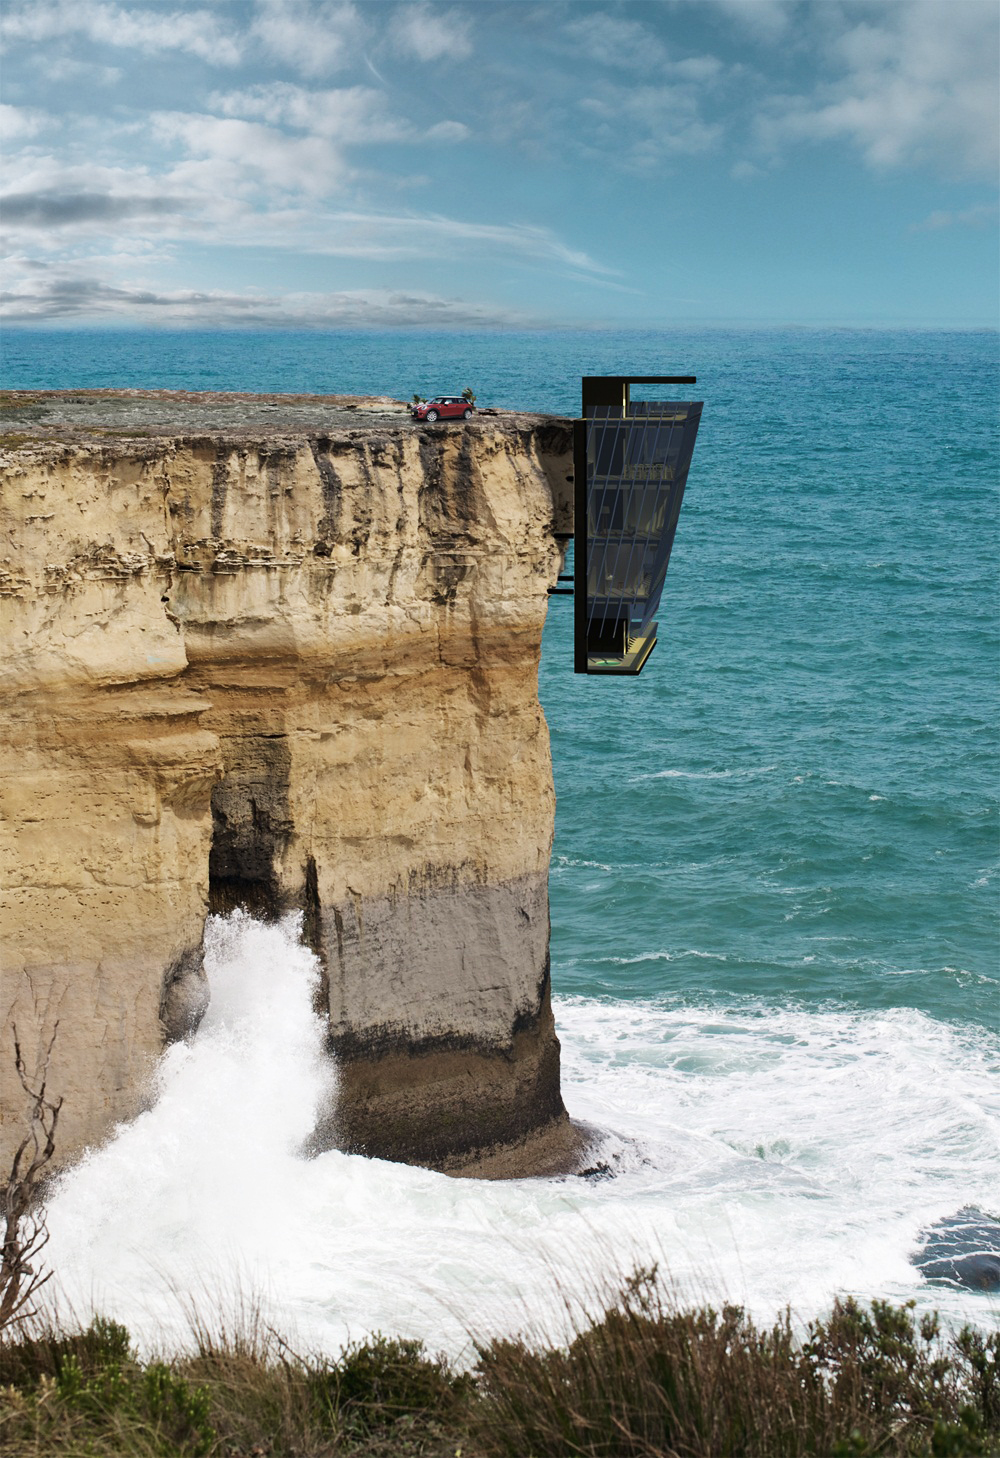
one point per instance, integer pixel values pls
(313, 39)
(402, 236)
(145, 29)
(39, 294)
(746, 171)
(351, 115)
(56, 206)
(980, 216)
(67, 68)
(20, 122)
(764, 20)
(918, 85)
(620, 97)
(243, 156)
(612, 40)
(431, 34)
(245, 185)
(645, 126)
(700, 69)
(448, 131)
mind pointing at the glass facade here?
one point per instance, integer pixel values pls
(635, 456)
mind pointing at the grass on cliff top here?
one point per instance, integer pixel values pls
(644, 1380)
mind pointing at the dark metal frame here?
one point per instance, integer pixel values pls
(598, 390)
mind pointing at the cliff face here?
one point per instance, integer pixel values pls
(285, 667)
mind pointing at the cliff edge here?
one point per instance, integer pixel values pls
(281, 653)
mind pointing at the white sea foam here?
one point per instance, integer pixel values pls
(667, 957)
(562, 862)
(769, 1152)
(750, 773)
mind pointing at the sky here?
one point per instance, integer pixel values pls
(322, 163)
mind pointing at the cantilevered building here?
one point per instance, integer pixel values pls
(631, 465)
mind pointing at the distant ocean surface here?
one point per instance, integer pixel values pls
(775, 933)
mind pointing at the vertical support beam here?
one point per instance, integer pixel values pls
(580, 546)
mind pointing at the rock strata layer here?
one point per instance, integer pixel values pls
(281, 653)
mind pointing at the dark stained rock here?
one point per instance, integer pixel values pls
(962, 1250)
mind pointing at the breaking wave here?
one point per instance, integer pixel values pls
(773, 1154)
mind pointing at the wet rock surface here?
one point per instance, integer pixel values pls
(962, 1250)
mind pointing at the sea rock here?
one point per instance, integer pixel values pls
(185, 996)
(962, 1250)
(284, 661)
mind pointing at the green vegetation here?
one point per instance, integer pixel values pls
(87, 1393)
(644, 1380)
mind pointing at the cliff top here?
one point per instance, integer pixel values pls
(37, 417)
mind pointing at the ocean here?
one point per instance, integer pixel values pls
(775, 950)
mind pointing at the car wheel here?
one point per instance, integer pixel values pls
(431, 415)
(466, 414)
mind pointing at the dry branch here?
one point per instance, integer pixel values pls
(25, 1232)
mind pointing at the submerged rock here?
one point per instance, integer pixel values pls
(963, 1250)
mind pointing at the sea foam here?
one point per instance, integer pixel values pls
(772, 1154)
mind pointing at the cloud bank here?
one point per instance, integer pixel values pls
(247, 148)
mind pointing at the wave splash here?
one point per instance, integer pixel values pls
(770, 1154)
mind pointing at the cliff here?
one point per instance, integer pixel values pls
(281, 653)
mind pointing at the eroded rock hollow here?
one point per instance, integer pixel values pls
(282, 655)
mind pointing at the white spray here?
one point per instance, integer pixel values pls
(771, 1155)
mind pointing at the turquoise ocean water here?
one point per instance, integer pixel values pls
(775, 877)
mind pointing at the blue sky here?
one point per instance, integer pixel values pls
(336, 164)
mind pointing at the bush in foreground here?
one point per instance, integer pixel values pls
(87, 1393)
(648, 1380)
(644, 1380)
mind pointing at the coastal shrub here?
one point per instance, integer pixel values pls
(375, 1383)
(43, 1354)
(642, 1379)
(645, 1380)
(87, 1393)
(880, 1362)
(980, 1354)
(258, 1403)
(380, 1397)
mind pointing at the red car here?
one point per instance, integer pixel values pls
(442, 407)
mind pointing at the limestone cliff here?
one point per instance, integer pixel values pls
(282, 653)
